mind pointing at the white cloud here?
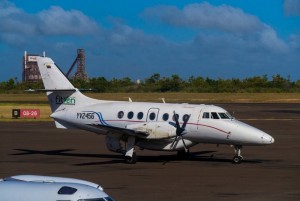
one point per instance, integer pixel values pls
(204, 15)
(57, 21)
(8, 9)
(240, 45)
(294, 41)
(270, 40)
(53, 21)
(291, 7)
(13, 39)
(225, 19)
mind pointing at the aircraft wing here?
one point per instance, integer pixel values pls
(145, 130)
(121, 131)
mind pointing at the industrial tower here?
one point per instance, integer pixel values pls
(80, 61)
(30, 69)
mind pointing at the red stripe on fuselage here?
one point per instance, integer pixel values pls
(228, 133)
(194, 124)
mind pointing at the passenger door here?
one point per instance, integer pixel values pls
(152, 114)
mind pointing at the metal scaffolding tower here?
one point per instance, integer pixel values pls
(80, 61)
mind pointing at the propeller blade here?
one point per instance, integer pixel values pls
(185, 121)
(184, 145)
(175, 140)
(180, 130)
(175, 116)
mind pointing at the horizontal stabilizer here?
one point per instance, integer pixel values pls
(63, 125)
(46, 90)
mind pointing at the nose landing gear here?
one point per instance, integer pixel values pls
(237, 159)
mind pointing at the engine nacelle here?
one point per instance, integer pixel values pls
(155, 130)
(113, 143)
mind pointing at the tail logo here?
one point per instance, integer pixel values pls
(65, 100)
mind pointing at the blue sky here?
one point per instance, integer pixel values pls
(213, 38)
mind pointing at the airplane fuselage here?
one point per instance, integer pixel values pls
(217, 127)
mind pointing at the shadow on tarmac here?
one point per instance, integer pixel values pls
(201, 156)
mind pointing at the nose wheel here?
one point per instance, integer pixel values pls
(238, 157)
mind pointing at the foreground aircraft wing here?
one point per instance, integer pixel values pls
(46, 188)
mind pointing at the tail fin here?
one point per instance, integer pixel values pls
(62, 95)
(52, 76)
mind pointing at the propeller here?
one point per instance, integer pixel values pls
(180, 130)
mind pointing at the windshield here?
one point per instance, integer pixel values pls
(223, 115)
(216, 115)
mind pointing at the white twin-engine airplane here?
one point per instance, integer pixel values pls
(153, 126)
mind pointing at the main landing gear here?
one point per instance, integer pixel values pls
(130, 155)
(238, 157)
(131, 159)
(183, 154)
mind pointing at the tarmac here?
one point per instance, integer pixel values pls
(267, 172)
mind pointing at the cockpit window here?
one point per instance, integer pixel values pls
(229, 115)
(214, 115)
(223, 115)
(205, 115)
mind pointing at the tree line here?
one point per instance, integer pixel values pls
(157, 83)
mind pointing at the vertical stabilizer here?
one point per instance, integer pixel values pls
(61, 93)
(52, 76)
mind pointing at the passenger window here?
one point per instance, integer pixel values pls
(120, 114)
(109, 199)
(185, 117)
(140, 115)
(165, 117)
(152, 116)
(66, 190)
(214, 115)
(177, 117)
(205, 115)
(130, 115)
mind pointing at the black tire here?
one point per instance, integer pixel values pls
(237, 159)
(182, 154)
(131, 160)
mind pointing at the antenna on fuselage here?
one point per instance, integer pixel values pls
(129, 99)
(163, 100)
(232, 116)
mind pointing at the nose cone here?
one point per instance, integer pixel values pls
(267, 139)
(249, 135)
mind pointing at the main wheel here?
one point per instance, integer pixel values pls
(237, 159)
(131, 160)
(182, 154)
